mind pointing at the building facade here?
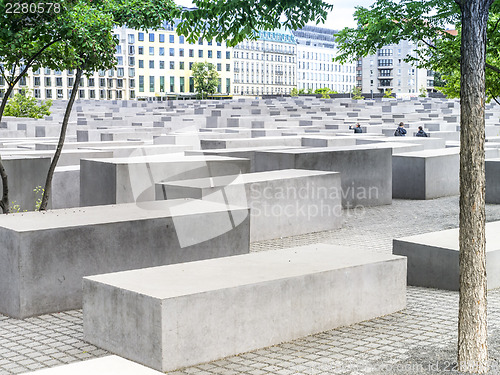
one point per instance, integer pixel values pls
(153, 65)
(315, 52)
(388, 70)
(266, 66)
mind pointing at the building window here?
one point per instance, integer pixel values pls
(91, 82)
(141, 50)
(70, 81)
(151, 84)
(181, 84)
(110, 82)
(131, 38)
(92, 94)
(209, 54)
(191, 84)
(102, 82)
(141, 64)
(141, 83)
(48, 82)
(48, 94)
(37, 93)
(120, 72)
(131, 50)
(162, 64)
(60, 94)
(172, 82)
(162, 84)
(152, 37)
(162, 51)
(151, 64)
(181, 39)
(171, 38)
(219, 67)
(172, 64)
(58, 82)
(162, 38)
(131, 72)
(81, 94)
(151, 51)
(181, 52)
(181, 65)
(171, 52)
(119, 83)
(37, 81)
(132, 94)
(200, 53)
(219, 54)
(132, 83)
(140, 37)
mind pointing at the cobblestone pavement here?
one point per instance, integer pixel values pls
(418, 340)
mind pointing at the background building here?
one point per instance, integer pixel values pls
(151, 65)
(388, 70)
(266, 66)
(315, 52)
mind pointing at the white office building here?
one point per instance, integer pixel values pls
(315, 51)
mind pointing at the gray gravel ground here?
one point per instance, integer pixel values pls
(418, 340)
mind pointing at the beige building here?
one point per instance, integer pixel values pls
(153, 65)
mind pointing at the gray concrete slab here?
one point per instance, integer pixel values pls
(180, 315)
(433, 257)
(45, 254)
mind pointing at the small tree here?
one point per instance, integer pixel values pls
(388, 94)
(356, 94)
(25, 105)
(206, 78)
(423, 92)
(294, 92)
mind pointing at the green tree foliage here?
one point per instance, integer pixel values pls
(232, 21)
(23, 104)
(294, 92)
(356, 94)
(424, 23)
(206, 78)
(388, 93)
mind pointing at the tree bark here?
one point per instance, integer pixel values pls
(60, 144)
(472, 316)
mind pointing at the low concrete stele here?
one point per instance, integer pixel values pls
(426, 174)
(492, 170)
(45, 255)
(282, 203)
(127, 180)
(433, 257)
(181, 315)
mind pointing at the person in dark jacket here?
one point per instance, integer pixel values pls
(400, 131)
(421, 132)
(357, 128)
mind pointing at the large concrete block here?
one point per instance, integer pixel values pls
(66, 187)
(282, 203)
(45, 255)
(492, 170)
(366, 170)
(426, 174)
(24, 175)
(181, 315)
(126, 180)
(433, 257)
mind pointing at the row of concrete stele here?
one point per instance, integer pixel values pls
(156, 204)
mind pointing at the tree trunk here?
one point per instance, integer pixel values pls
(472, 324)
(62, 136)
(4, 203)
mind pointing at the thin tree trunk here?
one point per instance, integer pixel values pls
(472, 322)
(4, 203)
(62, 136)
